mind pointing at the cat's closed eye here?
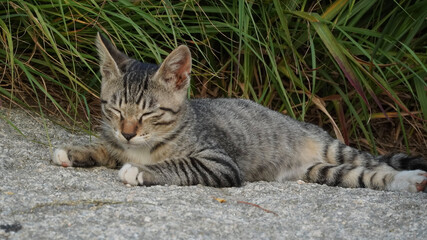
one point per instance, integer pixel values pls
(117, 112)
(147, 113)
(145, 116)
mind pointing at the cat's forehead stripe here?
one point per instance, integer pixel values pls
(146, 83)
(141, 93)
(143, 104)
(125, 87)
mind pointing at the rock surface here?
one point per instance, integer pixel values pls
(42, 201)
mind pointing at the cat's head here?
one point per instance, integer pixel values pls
(141, 102)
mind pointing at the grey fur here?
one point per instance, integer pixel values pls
(149, 122)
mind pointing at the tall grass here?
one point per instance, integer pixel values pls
(354, 67)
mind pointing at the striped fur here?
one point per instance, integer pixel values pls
(161, 137)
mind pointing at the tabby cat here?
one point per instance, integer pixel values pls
(158, 136)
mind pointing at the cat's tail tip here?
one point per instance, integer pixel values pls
(401, 161)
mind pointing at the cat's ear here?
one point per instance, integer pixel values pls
(110, 58)
(175, 70)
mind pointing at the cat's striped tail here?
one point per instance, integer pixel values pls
(348, 167)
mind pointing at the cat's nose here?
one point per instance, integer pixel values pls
(128, 136)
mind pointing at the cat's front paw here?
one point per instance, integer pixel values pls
(129, 174)
(410, 181)
(60, 157)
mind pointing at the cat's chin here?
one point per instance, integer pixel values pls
(131, 144)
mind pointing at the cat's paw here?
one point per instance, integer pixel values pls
(129, 174)
(410, 181)
(60, 157)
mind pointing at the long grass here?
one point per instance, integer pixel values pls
(358, 68)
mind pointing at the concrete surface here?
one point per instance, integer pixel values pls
(42, 201)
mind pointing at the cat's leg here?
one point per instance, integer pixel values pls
(215, 172)
(83, 156)
(379, 177)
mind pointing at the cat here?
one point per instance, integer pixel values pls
(160, 137)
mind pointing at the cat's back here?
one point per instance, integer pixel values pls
(240, 120)
(239, 112)
(232, 109)
(251, 116)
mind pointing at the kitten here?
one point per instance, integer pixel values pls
(158, 136)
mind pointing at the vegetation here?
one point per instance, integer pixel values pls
(357, 68)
